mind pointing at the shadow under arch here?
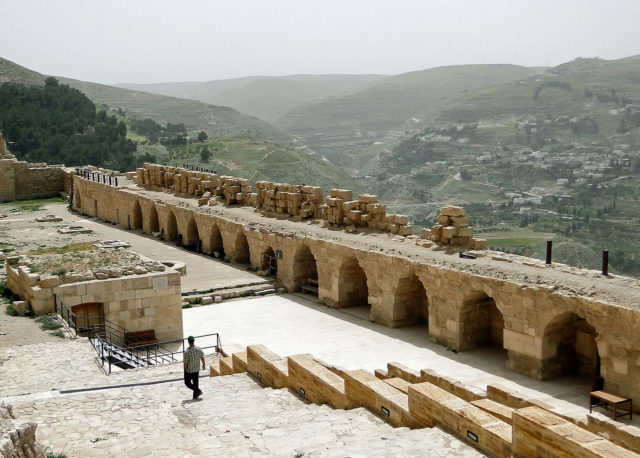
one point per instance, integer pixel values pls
(569, 348)
(216, 246)
(411, 301)
(305, 269)
(172, 227)
(193, 235)
(353, 290)
(154, 221)
(137, 216)
(241, 248)
(481, 322)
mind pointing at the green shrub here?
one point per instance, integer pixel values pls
(57, 333)
(187, 306)
(9, 310)
(56, 455)
(48, 322)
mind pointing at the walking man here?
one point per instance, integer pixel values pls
(192, 357)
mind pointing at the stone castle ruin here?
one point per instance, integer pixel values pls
(550, 320)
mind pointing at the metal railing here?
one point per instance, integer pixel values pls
(98, 177)
(113, 344)
(145, 355)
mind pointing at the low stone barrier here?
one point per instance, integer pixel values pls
(269, 368)
(452, 386)
(395, 369)
(537, 432)
(226, 365)
(398, 384)
(316, 383)
(496, 409)
(239, 362)
(364, 389)
(431, 404)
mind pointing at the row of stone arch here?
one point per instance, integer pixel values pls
(569, 342)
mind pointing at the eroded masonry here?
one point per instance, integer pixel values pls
(552, 320)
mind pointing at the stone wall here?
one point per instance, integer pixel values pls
(137, 302)
(20, 180)
(463, 310)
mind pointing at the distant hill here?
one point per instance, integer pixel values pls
(215, 120)
(260, 160)
(341, 127)
(267, 97)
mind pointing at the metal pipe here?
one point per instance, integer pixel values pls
(549, 248)
(605, 262)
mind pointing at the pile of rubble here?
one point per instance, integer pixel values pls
(281, 200)
(453, 229)
(366, 211)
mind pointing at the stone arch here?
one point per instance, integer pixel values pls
(481, 322)
(241, 248)
(154, 222)
(193, 235)
(137, 216)
(569, 347)
(268, 261)
(305, 269)
(215, 242)
(172, 226)
(411, 304)
(353, 290)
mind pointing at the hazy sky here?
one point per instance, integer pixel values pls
(141, 41)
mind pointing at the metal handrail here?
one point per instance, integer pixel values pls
(108, 338)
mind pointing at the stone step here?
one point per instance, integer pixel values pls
(260, 289)
(235, 417)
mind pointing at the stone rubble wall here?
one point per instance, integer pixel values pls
(17, 440)
(493, 428)
(21, 180)
(281, 200)
(275, 200)
(453, 228)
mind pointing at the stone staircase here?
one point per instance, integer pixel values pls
(235, 417)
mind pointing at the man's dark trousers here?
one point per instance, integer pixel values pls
(191, 380)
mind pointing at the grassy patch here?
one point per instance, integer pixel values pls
(187, 306)
(9, 310)
(33, 205)
(56, 455)
(71, 248)
(48, 322)
(57, 333)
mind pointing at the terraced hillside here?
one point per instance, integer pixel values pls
(340, 128)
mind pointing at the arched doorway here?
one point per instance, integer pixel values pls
(569, 348)
(154, 223)
(241, 247)
(172, 227)
(481, 322)
(305, 271)
(269, 262)
(411, 304)
(137, 216)
(216, 246)
(352, 285)
(193, 236)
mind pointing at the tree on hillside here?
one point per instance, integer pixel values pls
(205, 154)
(202, 136)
